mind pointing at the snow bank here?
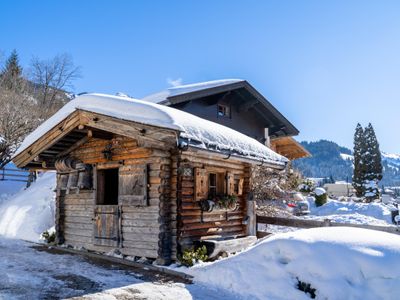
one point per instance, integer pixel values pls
(29, 212)
(340, 263)
(196, 131)
(354, 210)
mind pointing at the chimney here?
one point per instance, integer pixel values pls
(266, 137)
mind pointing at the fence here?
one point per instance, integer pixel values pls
(7, 174)
(300, 223)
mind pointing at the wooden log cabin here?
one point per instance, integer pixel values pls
(143, 178)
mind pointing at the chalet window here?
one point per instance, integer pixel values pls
(224, 111)
(216, 185)
(107, 187)
(236, 187)
(212, 185)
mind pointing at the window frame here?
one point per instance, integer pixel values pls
(226, 110)
(101, 190)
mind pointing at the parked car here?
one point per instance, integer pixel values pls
(297, 204)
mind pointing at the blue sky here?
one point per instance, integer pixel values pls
(326, 65)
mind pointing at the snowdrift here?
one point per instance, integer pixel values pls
(353, 212)
(340, 263)
(29, 212)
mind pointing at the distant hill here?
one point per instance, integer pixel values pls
(331, 160)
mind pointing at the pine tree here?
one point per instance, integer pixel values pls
(373, 163)
(12, 72)
(359, 166)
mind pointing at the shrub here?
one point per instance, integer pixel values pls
(306, 288)
(191, 256)
(306, 186)
(49, 237)
(321, 199)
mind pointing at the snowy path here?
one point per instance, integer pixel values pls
(28, 273)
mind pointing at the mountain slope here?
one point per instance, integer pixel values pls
(329, 159)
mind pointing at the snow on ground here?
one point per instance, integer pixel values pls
(29, 212)
(346, 156)
(352, 212)
(31, 274)
(339, 262)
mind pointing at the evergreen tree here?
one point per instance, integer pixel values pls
(373, 154)
(359, 164)
(12, 71)
(373, 163)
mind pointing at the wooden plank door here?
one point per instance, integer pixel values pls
(106, 225)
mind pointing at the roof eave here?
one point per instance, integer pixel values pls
(269, 106)
(242, 158)
(292, 130)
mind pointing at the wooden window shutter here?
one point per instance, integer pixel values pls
(240, 189)
(201, 184)
(132, 188)
(230, 183)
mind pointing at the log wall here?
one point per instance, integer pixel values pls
(148, 231)
(196, 225)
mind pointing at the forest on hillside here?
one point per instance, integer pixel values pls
(334, 161)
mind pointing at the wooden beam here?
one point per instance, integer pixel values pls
(47, 140)
(74, 146)
(146, 135)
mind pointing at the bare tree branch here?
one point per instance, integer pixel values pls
(53, 79)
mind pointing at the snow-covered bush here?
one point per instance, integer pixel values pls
(320, 196)
(272, 184)
(371, 190)
(306, 187)
(49, 236)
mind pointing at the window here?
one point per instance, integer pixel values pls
(216, 184)
(212, 185)
(236, 186)
(224, 111)
(107, 187)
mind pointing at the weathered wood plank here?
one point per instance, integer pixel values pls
(79, 213)
(78, 232)
(140, 222)
(151, 216)
(141, 245)
(326, 223)
(140, 230)
(78, 226)
(135, 237)
(74, 219)
(139, 252)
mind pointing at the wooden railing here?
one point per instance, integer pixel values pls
(301, 223)
(7, 174)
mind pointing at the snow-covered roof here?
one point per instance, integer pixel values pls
(188, 88)
(194, 131)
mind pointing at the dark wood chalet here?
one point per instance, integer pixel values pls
(235, 103)
(144, 178)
